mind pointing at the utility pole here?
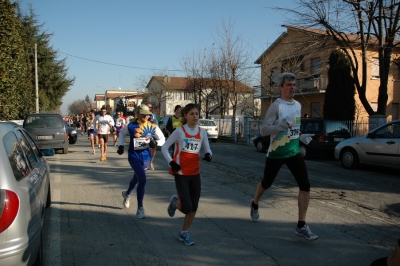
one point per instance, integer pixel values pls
(36, 81)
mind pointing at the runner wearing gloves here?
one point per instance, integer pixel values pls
(143, 135)
(185, 167)
(282, 122)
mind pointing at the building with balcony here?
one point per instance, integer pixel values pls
(305, 52)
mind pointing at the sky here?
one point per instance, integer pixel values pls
(113, 44)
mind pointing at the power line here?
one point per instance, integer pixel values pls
(143, 68)
(96, 61)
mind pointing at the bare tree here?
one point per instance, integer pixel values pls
(356, 25)
(235, 61)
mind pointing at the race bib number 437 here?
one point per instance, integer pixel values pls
(191, 145)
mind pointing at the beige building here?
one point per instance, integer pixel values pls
(305, 52)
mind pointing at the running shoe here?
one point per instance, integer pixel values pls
(126, 200)
(102, 158)
(140, 213)
(171, 206)
(94, 152)
(305, 232)
(151, 166)
(185, 238)
(254, 214)
(105, 158)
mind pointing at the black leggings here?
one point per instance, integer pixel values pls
(189, 190)
(296, 165)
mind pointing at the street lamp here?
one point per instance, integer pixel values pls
(105, 95)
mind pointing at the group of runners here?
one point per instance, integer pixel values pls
(282, 123)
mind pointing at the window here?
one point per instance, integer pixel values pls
(375, 68)
(395, 111)
(186, 95)
(275, 75)
(315, 109)
(16, 157)
(389, 131)
(26, 147)
(316, 66)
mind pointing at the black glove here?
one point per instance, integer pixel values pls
(153, 144)
(174, 166)
(207, 157)
(120, 149)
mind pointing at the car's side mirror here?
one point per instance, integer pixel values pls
(48, 152)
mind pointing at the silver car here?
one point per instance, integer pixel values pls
(24, 195)
(380, 146)
(211, 128)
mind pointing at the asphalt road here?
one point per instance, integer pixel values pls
(356, 214)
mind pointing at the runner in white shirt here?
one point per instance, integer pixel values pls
(103, 124)
(282, 123)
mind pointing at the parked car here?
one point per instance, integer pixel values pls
(261, 143)
(211, 128)
(327, 134)
(24, 195)
(72, 135)
(380, 146)
(162, 125)
(47, 130)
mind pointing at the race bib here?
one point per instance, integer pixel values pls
(141, 143)
(191, 145)
(294, 132)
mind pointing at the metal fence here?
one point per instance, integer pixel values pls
(234, 128)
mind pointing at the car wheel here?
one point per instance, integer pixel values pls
(65, 150)
(48, 200)
(260, 146)
(349, 159)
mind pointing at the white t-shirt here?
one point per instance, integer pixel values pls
(104, 123)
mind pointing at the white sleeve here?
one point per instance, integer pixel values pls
(159, 136)
(170, 141)
(205, 143)
(112, 121)
(122, 135)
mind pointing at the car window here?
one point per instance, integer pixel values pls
(388, 131)
(310, 126)
(336, 127)
(43, 122)
(30, 154)
(207, 123)
(15, 156)
(33, 145)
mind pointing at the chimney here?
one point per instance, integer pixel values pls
(166, 78)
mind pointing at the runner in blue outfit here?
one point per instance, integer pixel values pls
(143, 135)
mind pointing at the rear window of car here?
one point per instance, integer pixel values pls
(43, 122)
(333, 126)
(207, 123)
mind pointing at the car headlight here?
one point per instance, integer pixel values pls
(73, 132)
